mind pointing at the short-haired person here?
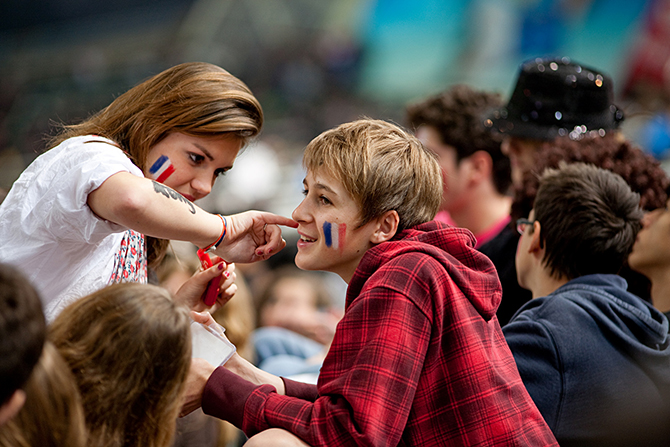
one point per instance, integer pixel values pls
(651, 255)
(476, 177)
(418, 357)
(22, 335)
(554, 97)
(475, 173)
(641, 171)
(52, 415)
(594, 357)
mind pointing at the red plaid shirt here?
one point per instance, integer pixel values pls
(418, 359)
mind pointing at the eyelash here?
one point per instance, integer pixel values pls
(195, 158)
(323, 199)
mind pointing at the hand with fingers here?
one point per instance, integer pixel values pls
(192, 292)
(253, 236)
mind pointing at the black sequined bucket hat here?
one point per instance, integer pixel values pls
(556, 97)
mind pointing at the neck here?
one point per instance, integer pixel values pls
(660, 291)
(484, 209)
(546, 284)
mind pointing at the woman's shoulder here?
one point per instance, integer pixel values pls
(89, 150)
(87, 143)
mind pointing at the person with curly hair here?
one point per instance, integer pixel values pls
(640, 170)
(651, 255)
(554, 98)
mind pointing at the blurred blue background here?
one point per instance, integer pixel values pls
(315, 63)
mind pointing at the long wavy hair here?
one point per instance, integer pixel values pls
(52, 415)
(129, 348)
(194, 98)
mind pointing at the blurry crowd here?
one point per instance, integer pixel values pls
(562, 185)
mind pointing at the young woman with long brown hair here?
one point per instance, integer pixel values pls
(77, 217)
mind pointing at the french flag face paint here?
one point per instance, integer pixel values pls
(334, 234)
(161, 169)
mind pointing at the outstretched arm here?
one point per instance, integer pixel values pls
(154, 209)
(201, 370)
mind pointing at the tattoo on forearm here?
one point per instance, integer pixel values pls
(172, 194)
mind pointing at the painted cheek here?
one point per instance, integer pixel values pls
(334, 235)
(161, 169)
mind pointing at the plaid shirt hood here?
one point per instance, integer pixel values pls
(453, 248)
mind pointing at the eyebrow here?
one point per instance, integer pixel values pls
(206, 152)
(208, 155)
(320, 186)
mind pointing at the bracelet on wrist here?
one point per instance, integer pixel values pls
(216, 243)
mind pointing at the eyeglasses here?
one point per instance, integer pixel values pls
(521, 225)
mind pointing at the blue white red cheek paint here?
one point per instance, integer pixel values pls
(161, 169)
(334, 234)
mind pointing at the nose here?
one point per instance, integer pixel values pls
(202, 185)
(300, 214)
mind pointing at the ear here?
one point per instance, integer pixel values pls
(386, 228)
(535, 245)
(12, 406)
(481, 166)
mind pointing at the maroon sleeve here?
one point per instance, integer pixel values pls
(226, 394)
(301, 390)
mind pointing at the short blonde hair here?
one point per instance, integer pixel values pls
(129, 348)
(382, 167)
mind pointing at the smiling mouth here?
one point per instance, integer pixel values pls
(306, 239)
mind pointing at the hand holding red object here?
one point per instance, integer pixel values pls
(213, 287)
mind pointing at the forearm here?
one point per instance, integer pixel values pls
(249, 372)
(153, 209)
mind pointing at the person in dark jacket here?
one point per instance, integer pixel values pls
(555, 100)
(594, 357)
(418, 358)
(651, 255)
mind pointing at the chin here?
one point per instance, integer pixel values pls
(301, 263)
